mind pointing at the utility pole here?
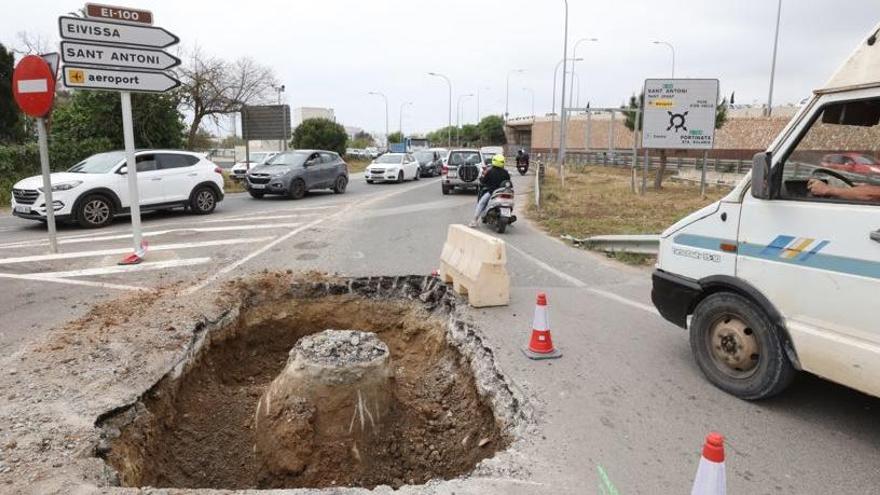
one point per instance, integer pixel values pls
(773, 62)
(562, 99)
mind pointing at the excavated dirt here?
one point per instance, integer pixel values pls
(195, 428)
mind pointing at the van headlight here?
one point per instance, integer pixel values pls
(63, 186)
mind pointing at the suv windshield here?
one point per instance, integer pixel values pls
(424, 156)
(289, 158)
(98, 164)
(390, 158)
(464, 158)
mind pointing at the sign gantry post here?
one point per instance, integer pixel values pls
(119, 49)
(33, 87)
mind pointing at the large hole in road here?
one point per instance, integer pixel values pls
(343, 382)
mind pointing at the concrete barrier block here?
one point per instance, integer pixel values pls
(476, 265)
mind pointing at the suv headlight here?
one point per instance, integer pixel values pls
(63, 186)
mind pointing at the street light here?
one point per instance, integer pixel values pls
(574, 54)
(478, 101)
(400, 120)
(282, 146)
(376, 93)
(531, 92)
(673, 53)
(507, 91)
(449, 126)
(458, 117)
(562, 98)
(553, 109)
(773, 63)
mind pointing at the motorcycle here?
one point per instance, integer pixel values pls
(499, 210)
(522, 165)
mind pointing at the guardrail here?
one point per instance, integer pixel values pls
(641, 244)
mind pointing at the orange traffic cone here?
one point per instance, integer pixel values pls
(541, 344)
(711, 479)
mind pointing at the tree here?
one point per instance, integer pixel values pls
(211, 87)
(204, 140)
(362, 140)
(11, 120)
(395, 137)
(98, 114)
(440, 137)
(492, 130)
(470, 134)
(320, 134)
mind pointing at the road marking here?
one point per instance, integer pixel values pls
(260, 218)
(108, 270)
(581, 284)
(87, 283)
(155, 233)
(106, 252)
(314, 223)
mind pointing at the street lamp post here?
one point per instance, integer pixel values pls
(574, 52)
(449, 126)
(400, 119)
(562, 98)
(532, 93)
(672, 48)
(282, 146)
(376, 93)
(773, 62)
(553, 109)
(458, 117)
(507, 92)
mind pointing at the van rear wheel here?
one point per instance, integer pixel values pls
(738, 348)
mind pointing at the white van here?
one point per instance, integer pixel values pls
(783, 274)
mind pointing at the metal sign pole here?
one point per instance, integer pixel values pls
(47, 184)
(635, 152)
(133, 197)
(703, 174)
(645, 173)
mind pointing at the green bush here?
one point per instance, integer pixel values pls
(320, 134)
(23, 160)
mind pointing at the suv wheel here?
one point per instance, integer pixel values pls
(95, 211)
(297, 189)
(446, 189)
(341, 183)
(203, 201)
(738, 348)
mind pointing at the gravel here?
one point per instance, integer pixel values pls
(340, 347)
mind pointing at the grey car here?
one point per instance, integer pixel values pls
(293, 173)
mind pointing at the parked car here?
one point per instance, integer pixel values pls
(293, 173)
(461, 170)
(95, 190)
(239, 170)
(393, 167)
(429, 162)
(372, 153)
(857, 163)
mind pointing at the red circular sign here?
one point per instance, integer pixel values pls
(33, 86)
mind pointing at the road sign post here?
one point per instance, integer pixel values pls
(115, 49)
(33, 86)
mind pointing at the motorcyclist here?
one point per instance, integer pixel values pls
(489, 182)
(522, 157)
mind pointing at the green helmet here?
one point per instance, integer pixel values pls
(498, 160)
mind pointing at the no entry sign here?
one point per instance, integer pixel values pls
(33, 86)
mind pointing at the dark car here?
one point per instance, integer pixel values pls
(430, 162)
(293, 173)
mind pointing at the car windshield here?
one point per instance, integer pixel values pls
(289, 158)
(390, 158)
(464, 157)
(98, 164)
(424, 156)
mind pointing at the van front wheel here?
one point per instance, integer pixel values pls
(738, 348)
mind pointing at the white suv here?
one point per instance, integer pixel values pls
(95, 190)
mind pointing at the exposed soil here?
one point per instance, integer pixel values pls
(195, 428)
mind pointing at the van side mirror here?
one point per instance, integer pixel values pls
(761, 175)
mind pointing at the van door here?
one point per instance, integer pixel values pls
(813, 256)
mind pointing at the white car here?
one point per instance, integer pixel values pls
(393, 167)
(95, 190)
(239, 170)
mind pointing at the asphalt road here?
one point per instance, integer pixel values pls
(626, 396)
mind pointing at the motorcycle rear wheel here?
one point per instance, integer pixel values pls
(500, 224)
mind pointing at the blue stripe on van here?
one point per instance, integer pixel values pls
(812, 258)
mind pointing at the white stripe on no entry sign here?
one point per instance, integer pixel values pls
(33, 86)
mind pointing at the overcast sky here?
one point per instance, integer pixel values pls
(332, 52)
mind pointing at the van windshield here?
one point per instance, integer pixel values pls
(101, 163)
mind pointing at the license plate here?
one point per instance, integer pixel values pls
(505, 212)
(22, 209)
(258, 186)
(452, 175)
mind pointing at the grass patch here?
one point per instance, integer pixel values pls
(599, 200)
(230, 185)
(355, 166)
